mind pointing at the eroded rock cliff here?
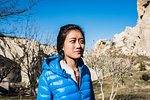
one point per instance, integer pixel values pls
(134, 40)
(26, 53)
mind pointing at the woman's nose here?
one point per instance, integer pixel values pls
(77, 45)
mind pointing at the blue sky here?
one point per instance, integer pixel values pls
(98, 18)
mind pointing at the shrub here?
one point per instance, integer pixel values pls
(142, 67)
(122, 81)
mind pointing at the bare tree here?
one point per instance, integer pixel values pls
(117, 68)
(109, 66)
(13, 11)
(97, 64)
(31, 57)
(12, 8)
(31, 61)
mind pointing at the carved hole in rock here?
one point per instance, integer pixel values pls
(113, 43)
(145, 5)
(141, 16)
(103, 43)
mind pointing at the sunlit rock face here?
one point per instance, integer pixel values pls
(134, 40)
(101, 46)
(9, 70)
(28, 54)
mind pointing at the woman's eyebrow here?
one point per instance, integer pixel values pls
(75, 38)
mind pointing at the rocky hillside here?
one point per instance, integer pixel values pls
(27, 54)
(134, 40)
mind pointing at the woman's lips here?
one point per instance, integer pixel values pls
(78, 51)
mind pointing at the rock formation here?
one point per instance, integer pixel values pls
(26, 53)
(101, 46)
(134, 40)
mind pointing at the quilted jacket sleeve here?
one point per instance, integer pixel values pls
(44, 92)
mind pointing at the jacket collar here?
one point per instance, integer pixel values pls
(53, 64)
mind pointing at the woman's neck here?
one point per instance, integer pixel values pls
(72, 63)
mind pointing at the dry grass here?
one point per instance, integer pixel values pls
(134, 88)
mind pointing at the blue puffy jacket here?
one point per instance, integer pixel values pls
(56, 84)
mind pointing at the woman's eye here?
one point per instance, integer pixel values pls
(73, 41)
(82, 41)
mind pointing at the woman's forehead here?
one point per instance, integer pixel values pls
(75, 34)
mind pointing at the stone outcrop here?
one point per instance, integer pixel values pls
(26, 53)
(8, 70)
(101, 46)
(134, 40)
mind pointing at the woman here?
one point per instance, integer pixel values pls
(64, 76)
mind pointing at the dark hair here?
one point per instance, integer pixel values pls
(62, 36)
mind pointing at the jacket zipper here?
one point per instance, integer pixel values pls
(78, 86)
(80, 82)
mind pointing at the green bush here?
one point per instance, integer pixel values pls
(142, 67)
(122, 81)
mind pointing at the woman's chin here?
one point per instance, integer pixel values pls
(78, 56)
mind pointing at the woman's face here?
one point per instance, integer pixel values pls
(74, 45)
